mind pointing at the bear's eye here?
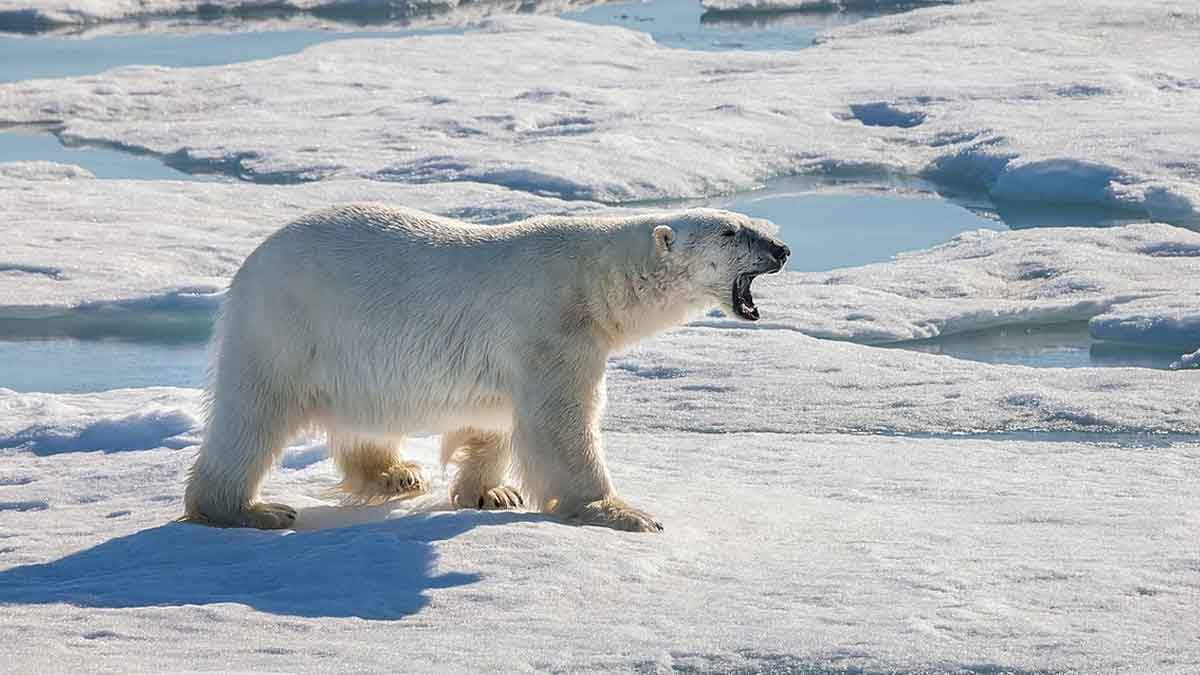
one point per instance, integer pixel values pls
(728, 233)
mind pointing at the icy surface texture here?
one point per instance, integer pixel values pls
(1032, 101)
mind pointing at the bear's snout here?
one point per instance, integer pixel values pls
(779, 251)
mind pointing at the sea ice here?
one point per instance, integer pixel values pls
(982, 279)
(174, 245)
(1028, 100)
(90, 244)
(819, 552)
(73, 16)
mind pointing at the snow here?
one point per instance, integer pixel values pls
(96, 244)
(1025, 100)
(122, 419)
(785, 552)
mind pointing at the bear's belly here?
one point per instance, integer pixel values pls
(401, 419)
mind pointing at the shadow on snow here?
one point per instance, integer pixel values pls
(379, 570)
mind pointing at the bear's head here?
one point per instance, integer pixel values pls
(722, 252)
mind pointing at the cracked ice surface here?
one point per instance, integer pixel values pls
(1028, 100)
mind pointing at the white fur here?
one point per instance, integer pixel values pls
(374, 322)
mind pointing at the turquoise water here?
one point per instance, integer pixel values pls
(28, 145)
(24, 58)
(70, 365)
(828, 230)
(676, 23)
(685, 25)
(1066, 345)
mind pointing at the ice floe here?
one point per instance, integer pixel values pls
(92, 244)
(1030, 101)
(1137, 283)
(166, 246)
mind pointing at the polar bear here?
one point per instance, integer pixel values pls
(372, 322)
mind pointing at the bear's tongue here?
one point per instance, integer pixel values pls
(743, 301)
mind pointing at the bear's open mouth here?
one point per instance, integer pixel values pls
(743, 301)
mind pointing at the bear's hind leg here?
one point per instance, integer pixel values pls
(482, 458)
(373, 472)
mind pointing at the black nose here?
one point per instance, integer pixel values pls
(780, 252)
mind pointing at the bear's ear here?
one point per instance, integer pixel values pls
(664, 238)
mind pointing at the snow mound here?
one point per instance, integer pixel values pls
(1168, 321)
(130, 419)
(1028, 100)
(985, 278)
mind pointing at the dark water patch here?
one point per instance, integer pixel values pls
(75, 366)
(1021, 215)
(1063, 345)
(96, 350)
(178, 326)
(828, 225)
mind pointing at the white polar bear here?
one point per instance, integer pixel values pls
(374, 322)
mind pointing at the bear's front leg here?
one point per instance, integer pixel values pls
(556, 440)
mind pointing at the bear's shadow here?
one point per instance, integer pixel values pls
(378, 570)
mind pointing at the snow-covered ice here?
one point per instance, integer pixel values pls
(1044, 101)
(171, 245)
(771, 381)
(1137, 283)
(174, 245)
(830, 507)
(783, 552)
(163, 244)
